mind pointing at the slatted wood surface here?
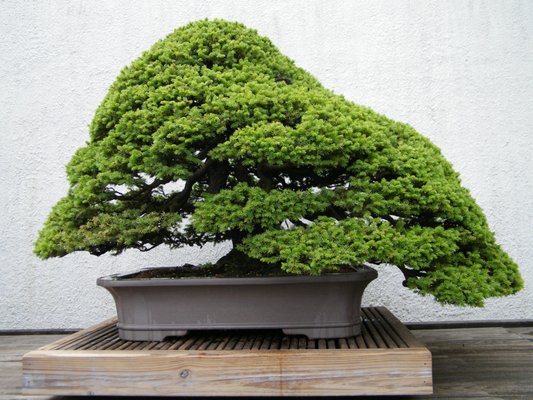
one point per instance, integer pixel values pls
(385, 359)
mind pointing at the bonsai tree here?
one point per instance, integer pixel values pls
(214, 135)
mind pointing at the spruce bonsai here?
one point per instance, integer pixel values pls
(214, 135)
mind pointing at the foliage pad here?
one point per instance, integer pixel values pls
(214, 135)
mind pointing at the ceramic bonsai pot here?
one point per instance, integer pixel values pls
(318, 307)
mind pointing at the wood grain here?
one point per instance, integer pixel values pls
(260, 363)
(468, 363)
(84, 333)
(228, 373)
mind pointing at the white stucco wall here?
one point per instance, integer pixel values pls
(460, 72)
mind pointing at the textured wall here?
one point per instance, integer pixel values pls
(460, 72)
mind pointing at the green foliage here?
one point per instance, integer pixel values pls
(214, 135)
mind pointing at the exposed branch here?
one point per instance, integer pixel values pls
(217, 176)
(241, 173)
(266, 181)
(178, 199)
(144, 248)
(143, 191)
(297, 222)
(410, 273)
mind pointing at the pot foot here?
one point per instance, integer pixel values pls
(149, 335)
(325, 332)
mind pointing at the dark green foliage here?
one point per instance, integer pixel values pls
(292, 173)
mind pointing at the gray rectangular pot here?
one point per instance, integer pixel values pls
(319, 307)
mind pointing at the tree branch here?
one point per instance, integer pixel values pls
(178, 199)
(265, 177)
(142, 192)
(410, 273)
(217, 176)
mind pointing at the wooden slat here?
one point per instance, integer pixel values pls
(232, 342)
(383, 332)
(399, 342)
(265, 344)
(150, 345)
(187, 344)
(98, 342)
(285, 342)
(352, 342)
(366, 337)
(256, 343)
(236, 363)
(163, 345)
(293, 343)
(81, 334)
(241, 343)
(136, 345)
(373, 331)
(343, 344)
(116, 344)
(177, 344)
(219, 343)
(203, 344)
(499, 360)
(399, 328)
(84, 339)
(229, 373)
(380, 329)
(125, 345)
(275, 344)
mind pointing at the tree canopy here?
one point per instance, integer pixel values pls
(214, 135)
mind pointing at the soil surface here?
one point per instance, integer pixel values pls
(234, 265)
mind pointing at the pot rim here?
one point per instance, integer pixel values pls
(363, 273)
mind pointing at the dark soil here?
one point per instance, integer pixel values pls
(234, 264)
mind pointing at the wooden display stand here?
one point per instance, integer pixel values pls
(385, 360)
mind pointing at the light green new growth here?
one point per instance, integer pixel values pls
(214, 135)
